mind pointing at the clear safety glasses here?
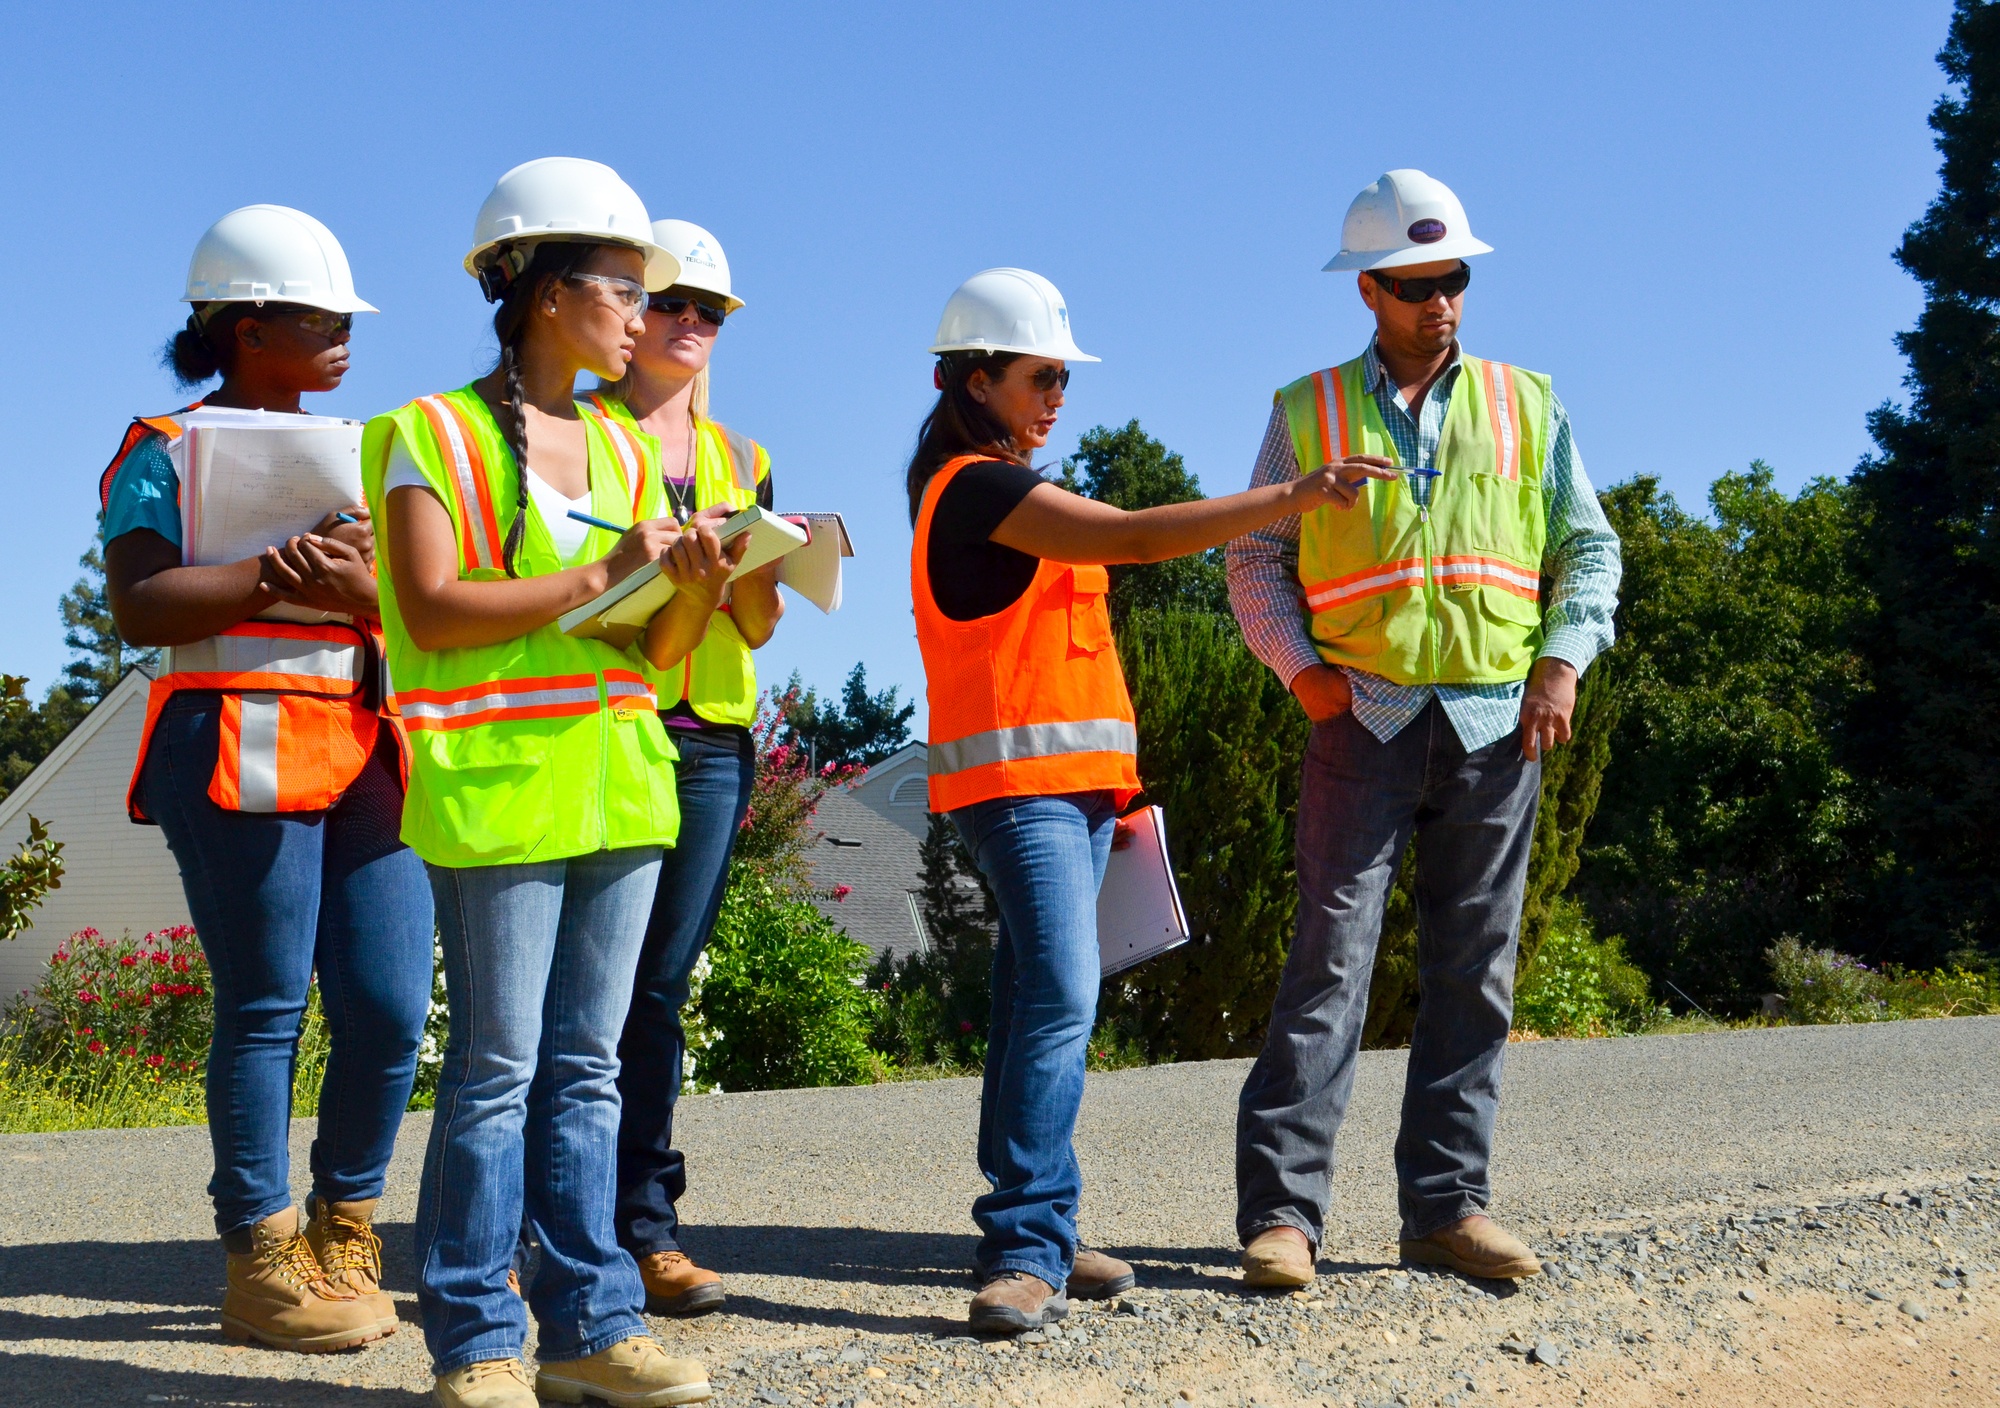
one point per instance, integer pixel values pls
(628, 295)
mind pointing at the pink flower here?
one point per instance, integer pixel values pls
(841, 892)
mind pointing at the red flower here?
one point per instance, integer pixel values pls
(96, 1048)
(964, 1027)
(841, 892)
(156, 1061)
(86, 1031)
(129, 1051)
(130, 960)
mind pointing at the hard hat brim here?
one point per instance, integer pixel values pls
(329, 303)
(1072, 353)
(1361, 261)
(663, 270)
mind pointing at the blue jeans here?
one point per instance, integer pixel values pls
(538, 964)
(1360, 801)
(1044, 858)
(274, 896)
(713, 776)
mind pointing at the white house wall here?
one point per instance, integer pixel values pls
(117, 876)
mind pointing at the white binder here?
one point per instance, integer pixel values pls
(1139, 914)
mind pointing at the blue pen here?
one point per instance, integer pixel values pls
(597, 522)
(345, 518)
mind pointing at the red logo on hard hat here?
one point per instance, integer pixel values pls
(1427, 232)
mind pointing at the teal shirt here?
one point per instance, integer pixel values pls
(145, 494)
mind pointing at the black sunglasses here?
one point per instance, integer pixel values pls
(1424, 290)
(674, 304)
(1049, 378)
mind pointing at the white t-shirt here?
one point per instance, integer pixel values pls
(554, 507)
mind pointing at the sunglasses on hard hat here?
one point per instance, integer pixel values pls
(628, 295)
(674, 304)
(1424, 290)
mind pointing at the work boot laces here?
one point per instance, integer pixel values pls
(351, 1246)
(296, 1265)
(497, 1369)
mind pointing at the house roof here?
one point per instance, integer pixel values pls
(879, 862)
(134, 681)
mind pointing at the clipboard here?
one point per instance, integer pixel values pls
(1139, 911)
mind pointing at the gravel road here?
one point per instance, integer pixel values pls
(1815, 1210)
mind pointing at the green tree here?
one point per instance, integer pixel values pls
(859, 731)
(1129, 469)
(99, 656)
(1728, 818)
(29, 734)
(1930, 545)
(937, 1004)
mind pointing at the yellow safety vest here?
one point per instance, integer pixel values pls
(718, 678)
(1450, 594)
(540, 747)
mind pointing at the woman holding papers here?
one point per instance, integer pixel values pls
(1032, 742)
(542, 784)
(709, 702)
(273, 765)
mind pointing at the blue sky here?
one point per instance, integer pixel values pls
(1693, 208)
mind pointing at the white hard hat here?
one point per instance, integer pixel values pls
(703, 264)
(566, 198)
(272, 254)
(1008, 310)
(1406, 217)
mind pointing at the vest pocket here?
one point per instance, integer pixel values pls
(489, 789)
(1089, 617)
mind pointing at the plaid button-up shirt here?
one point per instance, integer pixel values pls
(1582, 561)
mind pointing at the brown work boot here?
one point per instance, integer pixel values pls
(1095, 1276)
(1013, 1301)
(1278, 1257)
(676, 1286)
(1474, 1246)
(342, 1236)
(493, 1383)
(278, 1295)
(634, 1373)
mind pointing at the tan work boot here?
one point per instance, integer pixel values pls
(676, 1286)
(1013, 1301)
(634, 1373)
(1278, 1257)
(1096, 1276)
(1474, 1246)
(342, 1236)
(494, 1383)
(278, 1295)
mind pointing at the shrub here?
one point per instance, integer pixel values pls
(1945, 992)
(1820, 985)
(783, 996)
(935, 1007)
(1576, 984)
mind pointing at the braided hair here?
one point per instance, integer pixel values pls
(515, 290)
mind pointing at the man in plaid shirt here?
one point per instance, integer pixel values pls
(1415, 631)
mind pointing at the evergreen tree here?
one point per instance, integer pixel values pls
(29, 734)
(1930, 544)
(938, 1003)
(1129, 469)
(859, 731)
(99, 657)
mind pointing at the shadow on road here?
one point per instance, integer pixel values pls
(53, 1379)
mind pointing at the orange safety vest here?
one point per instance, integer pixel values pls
(1029, 701)
(302, 705)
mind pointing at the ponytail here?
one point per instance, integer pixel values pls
(194, 354)
(958, 425)
(550, 260)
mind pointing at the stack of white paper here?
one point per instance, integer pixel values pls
(253, 479)
(1139, 914)
(813, 571)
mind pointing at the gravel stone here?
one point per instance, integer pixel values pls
(1914, 1310)
(1549, 1352)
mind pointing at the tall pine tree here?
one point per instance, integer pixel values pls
(1930, 540)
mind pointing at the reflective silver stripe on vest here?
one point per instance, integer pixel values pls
(1007, 745)
(742, 457)
(257, 753)
(311, 660)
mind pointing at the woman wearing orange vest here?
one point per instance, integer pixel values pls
(541, 788)
(273, 766)
(1032, 742)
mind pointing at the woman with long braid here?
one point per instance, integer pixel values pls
(541, 788)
